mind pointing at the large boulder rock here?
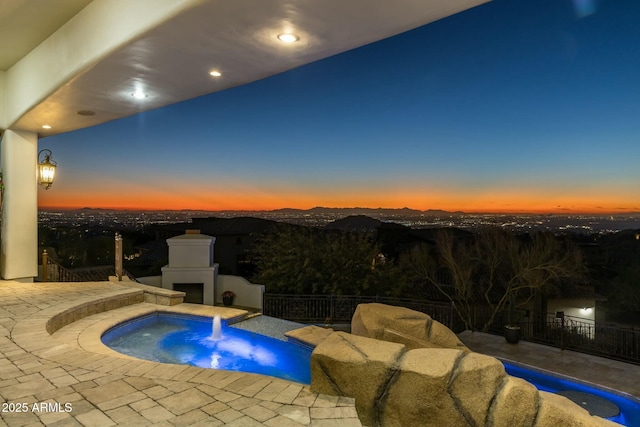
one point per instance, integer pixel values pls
(353, 366)
(516, 404)
(475, 383)
(556, 410)
(418, 395)
(405, 369)
(402, 325)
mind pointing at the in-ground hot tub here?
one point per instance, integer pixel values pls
(191, 340)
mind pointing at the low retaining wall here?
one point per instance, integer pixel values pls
(153, 294)
(92, 307)
(136, 294)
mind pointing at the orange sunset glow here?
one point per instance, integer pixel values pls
(247, 200)
(471, 113)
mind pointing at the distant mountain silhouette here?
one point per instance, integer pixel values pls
(227, 226)
(367, 211)
(354, 223)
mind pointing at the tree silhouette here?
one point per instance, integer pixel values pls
(493, 266)
(312, 261)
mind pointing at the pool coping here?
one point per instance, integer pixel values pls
(72, 365)
(80, 328)
(84, 335)
(89, 339)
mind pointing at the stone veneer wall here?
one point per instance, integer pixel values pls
(93, 306)
(134, 293)
(396, 382)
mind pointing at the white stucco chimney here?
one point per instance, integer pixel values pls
(191, 263)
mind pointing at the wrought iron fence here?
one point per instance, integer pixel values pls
(586, 337)
(340, 308)
(582, 335)
(567, 333)
(52, 271)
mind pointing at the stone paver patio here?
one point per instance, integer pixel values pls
(69, 378)
(54, 370)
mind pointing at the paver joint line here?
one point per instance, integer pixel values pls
(71, 365)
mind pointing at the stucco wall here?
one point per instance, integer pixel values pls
(574, 308)
(19, 254)
(248, 294)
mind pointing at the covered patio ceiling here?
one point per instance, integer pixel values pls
(168, 57)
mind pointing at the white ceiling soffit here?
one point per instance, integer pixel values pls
(236, 37)
(24, 24)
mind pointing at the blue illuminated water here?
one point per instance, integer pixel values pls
(629, 409)
(184, 339)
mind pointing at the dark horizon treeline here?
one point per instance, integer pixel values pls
(285, 262)
(376, 261)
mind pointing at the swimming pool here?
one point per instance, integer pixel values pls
(187, 339)
(629, 410)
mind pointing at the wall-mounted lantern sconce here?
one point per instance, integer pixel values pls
(46, 169)
(586, 310)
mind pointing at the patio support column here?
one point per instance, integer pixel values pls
(19, 247)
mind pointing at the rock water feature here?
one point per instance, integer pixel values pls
(405, 369)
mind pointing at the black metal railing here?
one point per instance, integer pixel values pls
(340, 308)
(53, 271)
(585, 336)
(568, 332)
(577, 334)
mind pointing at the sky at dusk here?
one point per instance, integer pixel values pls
(513, 106)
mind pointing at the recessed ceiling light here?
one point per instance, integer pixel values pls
(288, 38)
(215, 73)
(139, 94)
(46, 127)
